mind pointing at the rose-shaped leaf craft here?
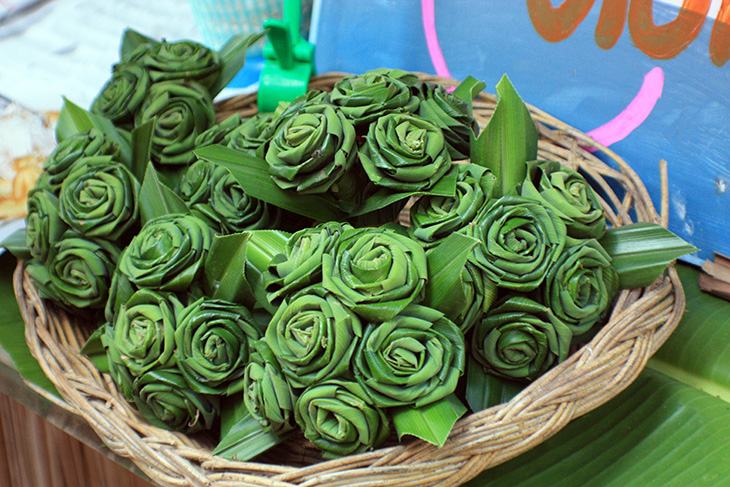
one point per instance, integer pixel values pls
(267, 394)
(217, 133)
(436, 217)
(182, 60)
(182, 112)
(569, 195)
(366, 97)
(452, 114)
(213, 345)
(249, 135)
(301, 262)
(81, 270)
(520, 339)
(312, 151)
(581, 286)
(415, 358)
(313, 337)
(86, 144)
(376, 272)
(120, 97)
(479, 293)
(44, 226)
(404, 152)
(520, 239)
(100, 199)
(163, 397)
(141, 337)
(168, 253)
(194, 185)
(338, 418)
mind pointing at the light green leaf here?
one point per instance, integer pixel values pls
(141, 147)
(131, 39)
(225, 270)
(262, 246)
(485, 390)
(156, 199)
(641, 251)
(508, 141)
(242, 436)
(233, 57)
(432, 422)
(17, 245)
(469, 88)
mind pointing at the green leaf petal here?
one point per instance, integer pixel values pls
(262, 246)
(16, 244)
(485, 390)
(641, 251)
(233, 57)
(156, 199)
(131, 39)
(432, 422)
(469, 88)
(141, 148)
(225, 269)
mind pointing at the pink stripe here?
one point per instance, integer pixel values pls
(434, 49)
(635, 113)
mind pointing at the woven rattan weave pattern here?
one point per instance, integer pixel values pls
(640, 322)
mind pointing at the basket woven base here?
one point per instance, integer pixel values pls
(640, 322)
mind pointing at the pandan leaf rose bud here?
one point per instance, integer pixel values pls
(568, 194)
(177, 61)
(217, 133)
(436, 217)
(213, 340)
(168, 253)
(122, 94)
(44, 226)
(141, 337)
(313, 337)
(452, 114)
(87, 144)
(581, 286)
(182, 112)
(414, 358)
(301, 262)
(366, 97)
(520, 239)
(249, 135)
(100, 199)
(338, 417)
(376, 272)
(312, 151)
(163, 397)
(266, 392)
(404, 152)
(520, 339)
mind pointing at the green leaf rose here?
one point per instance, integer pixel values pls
(339, 419)
(415, 358)
(122, 94)
(249, 135)
(218, 132)
(43, 225)
(404, 152)
(520, 339)
(168, 253)
(376, 272)
(213, 344)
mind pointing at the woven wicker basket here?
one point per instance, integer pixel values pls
(641, 321)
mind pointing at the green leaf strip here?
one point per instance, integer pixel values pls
(432, 422)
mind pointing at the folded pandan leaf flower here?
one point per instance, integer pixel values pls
(414, 358)
(404, 152)
(213, 340)
(519, 240)
(366, 97)
(122, 94)
(177, 61)
(99, 198)
(217, 133)
(301, 263)
(520, 339)
(338, 417)
(581, 285)
(267, 394)
(436, 217)
(92, 143)
(375, 271)
(451, 113)
(567, 193)
(313, 336)
(141, 337)
(168, 253)
(163, 397)
(249, 135)
(44, 226)
(182, 111)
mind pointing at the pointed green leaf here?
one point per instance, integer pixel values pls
(17, 245)
(641, 251)
(485, 390)
(141, 148)
(252, 174)
(262, 246)
(131, 39)
(233, 57)
(94, 349)
(242, 436)
(432, 422)
(156, 199)
(469, 88)
(225, 270)
(508, 141)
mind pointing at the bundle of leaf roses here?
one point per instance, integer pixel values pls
(250, 275)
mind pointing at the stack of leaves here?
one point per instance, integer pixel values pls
(249, 275)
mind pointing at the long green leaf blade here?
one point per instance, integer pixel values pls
(233, 57)
(432, 422)
(469, 88)
(156, 199)
(262, 246)
(141, 148)
(641, 251)
(225, 269)
(131, 39)
(485, 390)
(242, 436)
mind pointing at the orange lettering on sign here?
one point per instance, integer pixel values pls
(667, 40)
(720, 40)
(556, 24)
(611, 22)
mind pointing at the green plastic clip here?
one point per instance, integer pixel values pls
(288, 59)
